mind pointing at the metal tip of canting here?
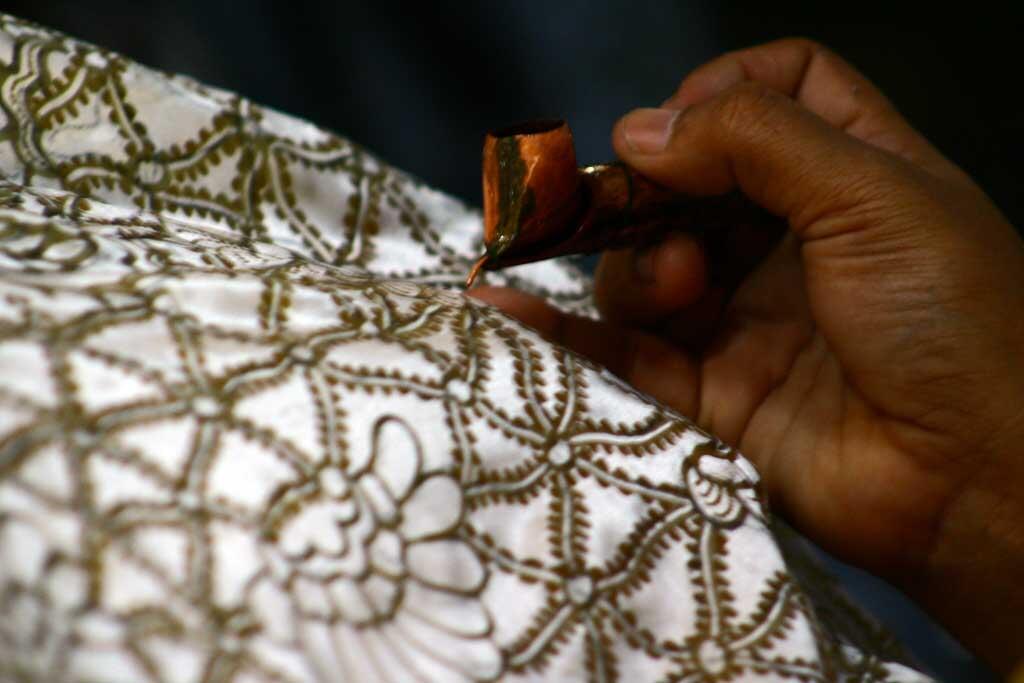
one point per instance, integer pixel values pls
(477, 267)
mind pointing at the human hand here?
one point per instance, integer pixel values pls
(869, 362)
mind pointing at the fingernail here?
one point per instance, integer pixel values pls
(643, 265)
(647, 131)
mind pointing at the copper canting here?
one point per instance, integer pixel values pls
(538, 204)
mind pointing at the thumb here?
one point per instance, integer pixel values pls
(782, 156)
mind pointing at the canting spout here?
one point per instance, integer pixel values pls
(531, 185)
(538, 204)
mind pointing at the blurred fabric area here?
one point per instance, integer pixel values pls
(419, 83)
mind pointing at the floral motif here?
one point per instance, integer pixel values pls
(370, 550)
(722, 484)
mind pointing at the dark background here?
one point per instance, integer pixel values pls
(419, 83)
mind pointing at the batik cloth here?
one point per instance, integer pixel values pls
(251, 432)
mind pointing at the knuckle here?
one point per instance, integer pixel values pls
(750, 106)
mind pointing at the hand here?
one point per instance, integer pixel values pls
(870, 363)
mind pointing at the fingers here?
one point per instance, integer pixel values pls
(762, 330)
(823, 83)
(636, 287)
(680, 285)
(651, 365)
(798, 130)
(780, 155)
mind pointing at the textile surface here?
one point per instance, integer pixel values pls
(248, 433)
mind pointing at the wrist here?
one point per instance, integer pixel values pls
(973, 577)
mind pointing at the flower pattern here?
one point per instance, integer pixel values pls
(249, 435)
(369, 547)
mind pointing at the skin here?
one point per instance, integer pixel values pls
(868, 360)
